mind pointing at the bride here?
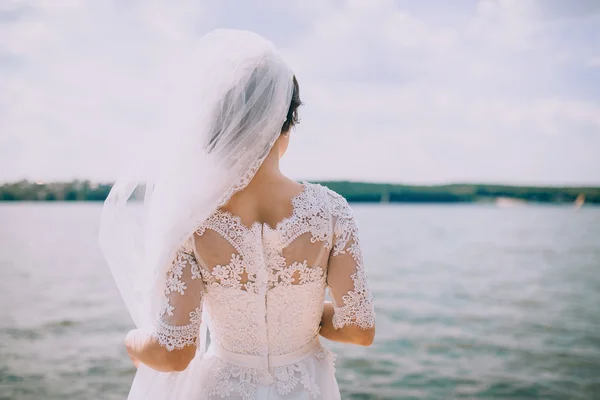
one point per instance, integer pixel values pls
(225, 242)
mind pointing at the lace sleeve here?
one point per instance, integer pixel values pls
(346, 277)
(179, 319)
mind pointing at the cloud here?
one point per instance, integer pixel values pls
(594, 62)
(448, 103)
(500, 91)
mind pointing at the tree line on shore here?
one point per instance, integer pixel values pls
(353, 191)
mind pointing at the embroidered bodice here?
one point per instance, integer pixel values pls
(264, 287)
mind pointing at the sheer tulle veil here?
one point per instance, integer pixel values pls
(236, 89)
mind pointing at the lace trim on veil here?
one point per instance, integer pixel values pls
(245, 179)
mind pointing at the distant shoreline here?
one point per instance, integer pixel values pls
(357, 192)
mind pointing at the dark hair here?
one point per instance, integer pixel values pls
(292, 114)
(232, 97)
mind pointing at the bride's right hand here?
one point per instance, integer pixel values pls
(135, 361)
(129, 344)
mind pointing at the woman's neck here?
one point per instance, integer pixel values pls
(268, 173)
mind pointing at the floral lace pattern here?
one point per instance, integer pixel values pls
(230, 379)
(298, 320)
(310, 215)
(264, 290)
(173, 336)
(282, 275)
(357, 308)
(288, 376)
(247, 260)
(176, 337)
(237, 320)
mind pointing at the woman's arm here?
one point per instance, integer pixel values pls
(146, 349)
(172, 344)
(350, 317)
(348, 334)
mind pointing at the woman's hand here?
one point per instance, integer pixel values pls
(144, 348)
(135, 361)
(130, 342)
(347, 334)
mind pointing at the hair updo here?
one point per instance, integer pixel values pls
(292, 114)
(235, 100)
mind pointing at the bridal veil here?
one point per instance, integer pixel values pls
(236, 89)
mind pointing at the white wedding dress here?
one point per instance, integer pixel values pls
(181, 266)
(262, 290)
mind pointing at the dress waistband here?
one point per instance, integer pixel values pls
(266, 362)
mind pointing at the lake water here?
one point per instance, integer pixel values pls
(473, 302)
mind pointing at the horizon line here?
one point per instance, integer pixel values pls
(372, 182)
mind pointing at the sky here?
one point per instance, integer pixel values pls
(490, 91)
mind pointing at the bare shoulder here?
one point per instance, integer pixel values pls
(290, 188)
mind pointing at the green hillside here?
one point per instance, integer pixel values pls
(376, 192)
(353, 191)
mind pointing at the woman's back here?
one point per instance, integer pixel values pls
(227, 240)
(265, 281)
(263, 284)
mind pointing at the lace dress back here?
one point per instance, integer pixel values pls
(263, 289)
